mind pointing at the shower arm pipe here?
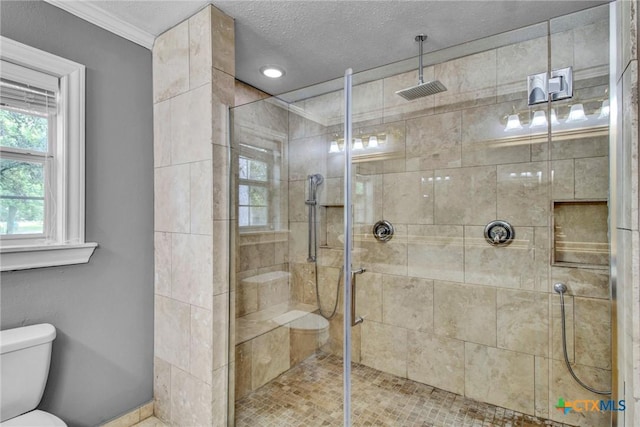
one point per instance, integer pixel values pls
(420, 39)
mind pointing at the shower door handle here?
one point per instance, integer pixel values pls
(355, 320)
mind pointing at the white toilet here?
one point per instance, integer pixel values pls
(25, 354)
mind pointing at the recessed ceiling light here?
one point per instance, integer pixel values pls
(272, 71)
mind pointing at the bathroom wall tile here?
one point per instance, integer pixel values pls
(627, 33)
(327, 109)
(369, 201)
(307, 156)
(306, 335)
(542, 267)
(220, 331)
(172, 196)
(369, 296)
(395, 106)
(584, 282)
(272, 291)
(161, 389)
(436, 361)
(220, 260)
(223, 35)
(562, 385)
(501, 377)
(335, 341)
(408, 197)
(581, 233)
(562, 47)
(407, 302)
(436, 252)
(517, 61)
(434, 141)
(334, 236)
(465, 312)
(329, 289)
(562, 179)
(297, 196)
(298, 249)
(171, 63)
(469, 81)
(382, 257)
(222, 89)
(146, 411)
(201, 202)
(593, 332)
(171, 338)
(246, 298)
(511, 266)
(523, 321)
(270, 356)
(556, 327)
(367, 102)
(523, 194)
(333, 191)
(246, 94)
(162, 259)
(243, 360)
(592, 178)
(541, 371)
(303, 283)
(597, 146)
(201, 344)
(384, 347)
(190, 399)
(192, 269)
(465, 196)
(482, 129)
(220, 396)
(220, 183)
(191, 130)
(127, 420)
(256, 255)
(628, 168)
(591, 45)
(200, 54)
(162, 134)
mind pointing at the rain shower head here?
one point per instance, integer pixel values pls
(421, 89)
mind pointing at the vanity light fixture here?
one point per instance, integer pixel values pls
(373, 141)
(576, 114)
(513, 123)
(272, 71)
(333, 148)
(604, 109)
(539, 120)
(357, 144)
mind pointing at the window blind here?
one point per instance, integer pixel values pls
(27, 99)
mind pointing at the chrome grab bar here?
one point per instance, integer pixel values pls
(355, 320)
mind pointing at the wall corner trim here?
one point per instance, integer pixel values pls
(103, 19)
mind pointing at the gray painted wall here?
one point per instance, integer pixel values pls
(102, 363)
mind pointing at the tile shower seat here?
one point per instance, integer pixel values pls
(260, 322)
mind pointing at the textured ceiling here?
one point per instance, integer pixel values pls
(315, 41)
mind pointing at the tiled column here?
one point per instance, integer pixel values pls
(193, 82)
(627, 233)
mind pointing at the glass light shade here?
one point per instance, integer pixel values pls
(539, 120)
(373, 141)
(513, 123)
(604, 110)
(333, 148)
(576, 114)
(554, 117)
(357, 144)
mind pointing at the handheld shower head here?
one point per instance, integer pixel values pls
(316, 179)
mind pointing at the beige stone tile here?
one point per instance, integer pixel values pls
(272, 289)
(220, 396)
(501, 377)
(593, 332)
(201, 344)
(397, 107)
(220, 113)
(334, 344)
(580, 233)
(332, 193)
(190, 400)
(407, 302)
(146, 411)
(436, 361)
(369, 203)
(298, 210)
(162, 259)
(369, 296)
(303, 283)
(334, 236)
(518, 60)
(191, 130)
(307, 334)
(307, 156)
(246, 298)
(541, 371)
(523, 194)
(223, 35)
(298, 247)
(171, 63)
(523, 321)
(382, 257)
(408, 197)
(151, 422)
(220, 330)
(465, 312)
(327, 109)
(436, 252)
(201, 202)
(367, 102)
(628, 169)
(222, 88)
(220, 267)
(592, 283)
(220, 185)
(172, 196)
(162, 134)
(542, 267)
(591, 45)
(578, 148)
(329, 289)
(243, 361)
(270, 356)
(171, 338)
(562, 385)
(200, 54)
(556, 327)
(511, 266)
(161, 388)
(592, 178)
(465, 196)
(246, 94)
(384, 347)
(469, 81)
(562, 179)
(126, 420)
(434, 142)
(192, 269)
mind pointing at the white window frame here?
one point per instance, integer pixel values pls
(67, 242)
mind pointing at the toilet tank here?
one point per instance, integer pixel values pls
(25, 354)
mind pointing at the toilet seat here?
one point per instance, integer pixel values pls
(35, 418)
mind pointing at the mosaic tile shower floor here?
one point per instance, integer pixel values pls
(310, 394)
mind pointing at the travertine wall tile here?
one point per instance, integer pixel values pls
(192, 269)
(162, 134)
(407, 302)
(434, 142)
(436, 361)
(523, 321)
(162, 258)
(465, 196)
(172, 323)
(192, 404)
(270, 356)
(162, 388)
(592, 178)
(436, 252)
(408, 197)
(191, 131)
(523, 193)
(384, 347)
(200, 55)
(593, 332)
(171, 63)
(201, 203)
(201, 344)
(172, 196)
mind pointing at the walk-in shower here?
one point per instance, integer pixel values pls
(460, 321)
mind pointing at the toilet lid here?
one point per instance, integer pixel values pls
(34, 419)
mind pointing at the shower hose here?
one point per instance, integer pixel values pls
(335, 306)
(564, 349)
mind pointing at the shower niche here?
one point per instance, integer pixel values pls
(580, 233)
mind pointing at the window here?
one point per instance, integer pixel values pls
(41, 159)
(254, 176)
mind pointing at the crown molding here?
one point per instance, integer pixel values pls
(103, 19)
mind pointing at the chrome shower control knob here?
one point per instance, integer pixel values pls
(499, 233)
(383, 231)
